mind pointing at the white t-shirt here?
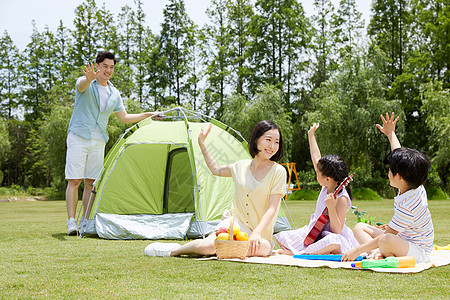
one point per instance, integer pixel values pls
(250, 182)
(103, 92)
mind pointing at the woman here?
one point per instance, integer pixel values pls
(260, 184)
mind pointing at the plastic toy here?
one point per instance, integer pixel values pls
(388, 262)
(435, 247)
(329, 257)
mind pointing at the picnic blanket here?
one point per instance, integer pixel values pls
(438, 258)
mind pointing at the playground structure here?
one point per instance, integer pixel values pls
(291, 186)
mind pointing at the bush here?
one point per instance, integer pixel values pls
(53, 193)
(365, 194)
(308, 180)
(436, 194)
(13, 190)
(304, 194)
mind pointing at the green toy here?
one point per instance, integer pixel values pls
(388, 262)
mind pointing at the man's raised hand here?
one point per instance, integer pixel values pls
(89, 72)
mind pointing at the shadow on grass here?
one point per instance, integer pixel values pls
(64, 236)
(60, 236)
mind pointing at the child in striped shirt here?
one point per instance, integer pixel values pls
(410, 231)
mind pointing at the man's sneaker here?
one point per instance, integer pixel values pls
(72, 226)
(160, 249)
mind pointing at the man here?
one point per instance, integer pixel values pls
(96, 98)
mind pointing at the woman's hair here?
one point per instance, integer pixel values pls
(334, 166)
(261, 128)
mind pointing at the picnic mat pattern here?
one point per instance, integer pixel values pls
(438, 258)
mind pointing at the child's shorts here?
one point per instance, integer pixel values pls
(418, 253)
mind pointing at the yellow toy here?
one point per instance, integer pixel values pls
(441, 248)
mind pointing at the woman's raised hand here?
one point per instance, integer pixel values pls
(90, 72)
(203, 134)
(313, 128)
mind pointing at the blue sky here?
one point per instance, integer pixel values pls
(16, 15)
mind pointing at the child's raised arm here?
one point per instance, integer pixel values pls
(313, 147)
(388, 129)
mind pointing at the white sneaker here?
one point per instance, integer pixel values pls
(160, 249)
(72, 226)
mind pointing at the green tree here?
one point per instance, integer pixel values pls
(347, 108)
(5, 147)
(62, 60)
(436, 109)
(141, 50)
(9, 76)
(52, 136)
(14, 167)
(65, 72)
(155, 66)
(322, 42)
(218, 66)
(174, 46)
(195, 69)
(34, 74)
(427, 60)
(86, 35)
(430, 41)
(348, 28)
(108, 39)
(243, 115)
(281, 38)
(124, 75)
(240, 13)
(50, 70)
(388, 30)
(37, 171)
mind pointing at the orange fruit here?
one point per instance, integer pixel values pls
(242, 236)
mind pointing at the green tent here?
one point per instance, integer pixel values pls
(155, 183)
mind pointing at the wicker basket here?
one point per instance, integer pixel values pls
(230, 248)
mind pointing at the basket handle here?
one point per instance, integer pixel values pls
(231, 228)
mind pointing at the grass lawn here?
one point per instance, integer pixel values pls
(38, 260)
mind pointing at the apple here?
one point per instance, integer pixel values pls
(221, 230)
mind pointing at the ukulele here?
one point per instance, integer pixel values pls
(323, 219)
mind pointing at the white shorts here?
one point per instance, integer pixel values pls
(84, 158)
(418, 253)
(415, 251)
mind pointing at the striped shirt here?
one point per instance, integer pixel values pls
(412, 219)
